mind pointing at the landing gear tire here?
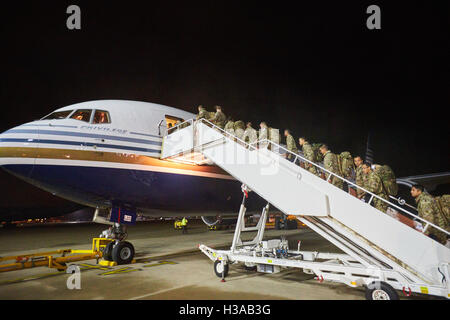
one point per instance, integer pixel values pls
(123, 252)
(379, 290)
(107, 252)
(218, 268)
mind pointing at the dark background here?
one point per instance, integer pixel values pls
(313, 68)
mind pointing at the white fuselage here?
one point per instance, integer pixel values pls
(116, 162)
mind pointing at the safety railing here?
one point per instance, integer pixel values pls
(403, 202)
(251, 146)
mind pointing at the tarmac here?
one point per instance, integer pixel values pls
(169, 266)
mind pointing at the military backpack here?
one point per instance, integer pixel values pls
(346, 167)
(318, 157)
(443, 203)
(239, 125)
(387, 176)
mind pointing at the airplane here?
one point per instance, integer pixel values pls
(106, 154)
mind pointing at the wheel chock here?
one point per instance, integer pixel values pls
(107, 263)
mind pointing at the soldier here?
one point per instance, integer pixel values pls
(250, 134)
(229, 127)
(375, 185)
(177, 125)
(290, 145)
(202, 113)
(239, 127)
(185, 124)
(263, 134)
(308, 153)
(429, 210)
(330, 163)
(219, 118)
(361, 177)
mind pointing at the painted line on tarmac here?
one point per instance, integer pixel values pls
(156, 292)
(132, 269)
(32, 277)
(121, 270)
(160, 263)
(93, 266)
(83, 267)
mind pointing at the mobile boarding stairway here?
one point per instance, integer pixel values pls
(380, 252)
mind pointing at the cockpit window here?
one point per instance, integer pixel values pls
(101, 116)
(58, 115)
(83, 115)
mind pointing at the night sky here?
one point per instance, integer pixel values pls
(313, 68)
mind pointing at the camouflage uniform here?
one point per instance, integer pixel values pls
(184, 125)
(250, 135)
(309, 154)
(229, 127)
(429, 210)
(203, 114)
(239, 129)
(263, 135)
(361, 179)
(330, 163)
(374, 184)
(291, 146)
(219, 119)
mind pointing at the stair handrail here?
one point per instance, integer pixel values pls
(427, 223)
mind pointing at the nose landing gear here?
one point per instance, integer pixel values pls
(118, 250)
(117, 231)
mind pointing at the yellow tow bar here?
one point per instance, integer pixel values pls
(48, 259)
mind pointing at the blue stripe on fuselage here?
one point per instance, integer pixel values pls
(47, 125)
(77, 143)
(86, 135)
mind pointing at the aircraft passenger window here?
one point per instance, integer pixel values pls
(83, 115)
(58, 115)
(101, 116)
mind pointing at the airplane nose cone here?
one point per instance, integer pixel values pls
(3, 153)
(17, 153)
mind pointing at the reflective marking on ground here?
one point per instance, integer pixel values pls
(120, 270)
(92, 266)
